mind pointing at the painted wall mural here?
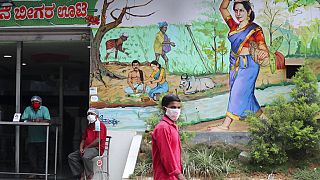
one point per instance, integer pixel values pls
(144, 49)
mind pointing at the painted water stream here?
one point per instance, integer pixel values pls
(132, 118)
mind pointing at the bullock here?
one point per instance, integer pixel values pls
(191, 85)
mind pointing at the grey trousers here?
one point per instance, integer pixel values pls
(78, 163)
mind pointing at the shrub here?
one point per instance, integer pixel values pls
(291, 129)
(306, 89)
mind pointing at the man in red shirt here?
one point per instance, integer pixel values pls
(80, 161)
(166, 147)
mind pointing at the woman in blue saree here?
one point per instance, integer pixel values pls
(248, 50)
(158, 77)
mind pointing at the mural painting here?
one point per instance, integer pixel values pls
(144, 49)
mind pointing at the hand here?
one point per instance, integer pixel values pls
(261, 55)
(181, 177)
(81, 151)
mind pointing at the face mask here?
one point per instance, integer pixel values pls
(35, 105)
(91, 118)
(173, 114)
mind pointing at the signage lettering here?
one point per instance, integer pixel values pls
(79, 10)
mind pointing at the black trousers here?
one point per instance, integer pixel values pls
(37, 156)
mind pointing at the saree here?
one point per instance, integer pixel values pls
(161, 87)
(242, 77)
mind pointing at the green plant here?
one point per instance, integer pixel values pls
(266, 140)
(291, 130)
(306, 89)
(143, 168)
(307, 174)
(208, 161)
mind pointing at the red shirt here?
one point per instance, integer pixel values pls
(166, 150)
(256, 36)
(90, 135)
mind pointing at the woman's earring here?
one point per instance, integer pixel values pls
(248, 18)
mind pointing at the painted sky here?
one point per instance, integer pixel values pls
(185, 11)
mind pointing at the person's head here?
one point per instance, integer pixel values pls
(171, 105)
(92, 115)
(243, 11)
(135, 65)
(124, 36)
(155, 65)
(163, 26)
(36, 102)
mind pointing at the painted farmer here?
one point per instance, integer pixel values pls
(135, 80)
(162, 44)
(115, 45)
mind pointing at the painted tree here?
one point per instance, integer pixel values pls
(294, 4)
(287, 32)
(214, 28)
(272, 17)
(222, 50)
(309, 38)
(97, 69)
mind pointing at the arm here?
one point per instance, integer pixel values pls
(119, 47)
(169, 42)
(81, 148)
(224, 9)
(160, 77)
(25, 115)
(46, 115)
(262, 51)
(150, 78)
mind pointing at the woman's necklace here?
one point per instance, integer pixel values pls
(238, 28)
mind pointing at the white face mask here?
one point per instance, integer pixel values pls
(91, 118)
(173, 114)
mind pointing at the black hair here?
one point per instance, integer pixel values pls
(135, 61)
(156, 63)
(247, 6)
(167, 99)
